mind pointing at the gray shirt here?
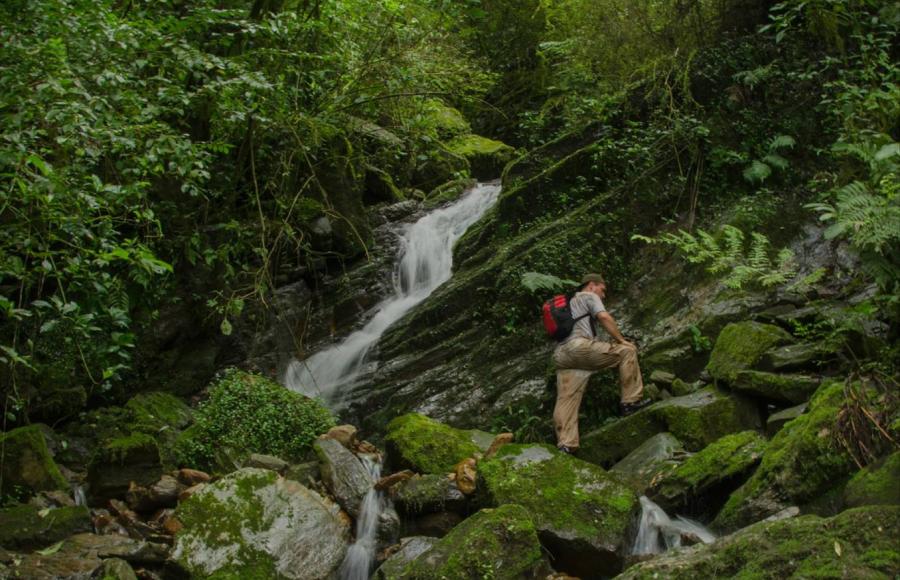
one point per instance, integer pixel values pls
(585, 303)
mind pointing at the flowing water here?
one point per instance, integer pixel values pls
(658, 532)
(78, 494)
(424, 263)
(357, 563)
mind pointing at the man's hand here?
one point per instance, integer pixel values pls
(627, 343)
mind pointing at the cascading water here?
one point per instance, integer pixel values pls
(658, 532)
(357, 563)
(425, 261)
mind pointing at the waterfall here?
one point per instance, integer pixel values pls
(658, 532)
(78, 494)
(424, 263)
(361, 554)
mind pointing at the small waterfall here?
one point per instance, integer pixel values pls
(425, 262)
(357, 563)
(658, 532)
(78, 494)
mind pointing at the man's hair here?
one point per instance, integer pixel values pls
(588, 278)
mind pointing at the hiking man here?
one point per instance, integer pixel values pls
(582, 353)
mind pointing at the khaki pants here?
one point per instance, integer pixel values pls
(576, 361)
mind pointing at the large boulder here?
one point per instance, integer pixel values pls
(344, 475)
(741, 346)
(497, 543)
(582, 513)
(877, 484)
(654, 456)
(120, 462)
(27, 465)
(858, 543)
(156, 411)
(429, 493)
(28, 526)
(701, 484)
(782, 388)
(486, 157)
(410, 549)
(427, 446)
(255, 524)
(801, 462)
(696, 420)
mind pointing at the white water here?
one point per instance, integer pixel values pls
(425, 261)
(658, 532)
(357, 563)
(78, 494)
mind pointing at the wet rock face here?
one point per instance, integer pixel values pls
(27, 465)
(582, 513)
(343, 475)
(641, 466)
(410, 549)
(696, 420)
(497, 543)
(253, 523)
(858, 543)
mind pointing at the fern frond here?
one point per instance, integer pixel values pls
(781, 141)
(757, 171)
(535, 281)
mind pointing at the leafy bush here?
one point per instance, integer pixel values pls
(248, 413)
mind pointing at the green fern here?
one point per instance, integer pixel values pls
(761, 169)
(535, 281)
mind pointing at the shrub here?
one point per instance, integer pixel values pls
(248, 413)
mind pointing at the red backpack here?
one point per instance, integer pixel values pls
(557, 316)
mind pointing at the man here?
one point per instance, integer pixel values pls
(582, 353)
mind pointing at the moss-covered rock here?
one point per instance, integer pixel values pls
(496, 543)
(801, 462)
(440, 166)
(28, 526)
(448, 192)
(654, 456)
(427, 446)
(27, 465)
(858, 543)
(248, 413)
(115, 569)
(582, 513)
(740, 346)
(121, 461)
(254, 524)
(429, 493)
(776, 387)
(877, 484)
(696, 420)
(157, 411)
(702, 483)
(486, 157)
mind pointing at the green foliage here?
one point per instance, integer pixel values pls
(730, 256)
(250, 414)
(760, 169)
(537, 282)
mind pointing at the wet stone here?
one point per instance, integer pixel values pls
(642, 465)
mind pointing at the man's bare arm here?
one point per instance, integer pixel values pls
(609, 325)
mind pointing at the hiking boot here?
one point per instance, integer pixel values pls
(626, 409)
(566, 450)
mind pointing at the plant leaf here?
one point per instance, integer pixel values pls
(52, 549)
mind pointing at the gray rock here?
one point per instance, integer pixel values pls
(343, 474)
(777, 420)
(642, 465)
(266, 462)
(429, 494)
(410, 549)
(305, 473)
(785, 388)
(28, 526)
(662, 377)
(388, 526)
(121, 462)
(254, 523)
(116, 569)
(799, 356)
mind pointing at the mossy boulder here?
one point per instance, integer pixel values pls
(115, 569)
(444, 120)
(783, 388)
(702, 483)
(248, 413)
(740, 346)
(858, 543)
(439, 166)
(427, 494)
(27, 465)
(410, 549)
(254, 524)
(486, 157)
(499, 543)
(582, 513)
(877, 484)
(156, 411)
(28, 526)
(696, 420)
(427, 446)
(640, 467)
(801, 462)
(119, 462)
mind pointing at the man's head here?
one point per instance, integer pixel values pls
(595, 284)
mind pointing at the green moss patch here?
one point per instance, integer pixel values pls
(581, 512)
(497, 543)
(801, 462)
(858, 543)
(27, 465)
(776, 387)
(427, 446)
(155, 411)
(29, 527)
(740, 346)
(248, 413)
(876, 484)
(486, 156)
